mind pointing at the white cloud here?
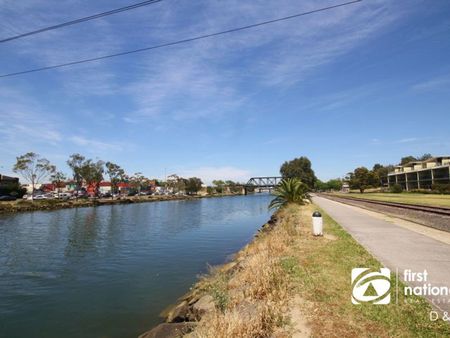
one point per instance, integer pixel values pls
(208, 174)
(440, 84)
(95, 145)
(407, 140)
(28, 124)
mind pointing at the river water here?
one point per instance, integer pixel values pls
(109, 271)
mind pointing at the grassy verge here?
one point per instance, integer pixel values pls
(253, 295)
(322, 277)
(411, 198)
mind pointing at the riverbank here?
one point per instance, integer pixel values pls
(288, 283)
(48, 205)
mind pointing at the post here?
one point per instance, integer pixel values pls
(317, 226)
(418, 180)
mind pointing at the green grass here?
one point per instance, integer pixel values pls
(322, 273)
(411, 198)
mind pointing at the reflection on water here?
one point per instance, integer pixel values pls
(109, 271)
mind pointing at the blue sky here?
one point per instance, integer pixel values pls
(348, 87)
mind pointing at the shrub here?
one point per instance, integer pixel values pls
(441, 188)
(290, 190)
(396, 189)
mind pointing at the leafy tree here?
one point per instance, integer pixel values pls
(58, 178)
(116, 174)
(218, 185)
(425, 157)
(92, 173)
(193, 185)
(290, 190)
(381, 173)
(176, 183)
(407, 159)
(360, 179)
(75, 162)
(137, 180)
(333, 184)
(33, 169)
(300, 168)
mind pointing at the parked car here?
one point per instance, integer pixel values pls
(64, 195)
(39, 197)
(7, 198)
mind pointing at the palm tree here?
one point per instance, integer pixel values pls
(290, 190)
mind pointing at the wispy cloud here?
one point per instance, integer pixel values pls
(27, 123)
(407, 140)
(439, 84)
(93, 145)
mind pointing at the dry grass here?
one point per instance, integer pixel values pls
(253, 296)
(257, 291)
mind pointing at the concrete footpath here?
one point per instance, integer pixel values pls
(396, 246)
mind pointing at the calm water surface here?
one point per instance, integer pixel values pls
(109, 271)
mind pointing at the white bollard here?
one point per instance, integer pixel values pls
(317, 224)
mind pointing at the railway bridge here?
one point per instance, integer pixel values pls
(267, 182)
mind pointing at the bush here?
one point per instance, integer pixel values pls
(441, 188)
(396, 189)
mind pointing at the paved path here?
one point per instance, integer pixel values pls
(395, 246)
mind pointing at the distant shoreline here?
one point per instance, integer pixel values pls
(50, 205)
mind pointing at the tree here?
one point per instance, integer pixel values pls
(75, 162)
(407, 159)
(137, 180)
(218, 185)
(193, 185)
(334, 184)
(299, 168)
(425, 157)
(116, 174)
(290, 190)
(92, 173)
(33, 168)
(58, 178)
(360, 179)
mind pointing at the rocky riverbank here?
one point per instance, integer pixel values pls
(289, 283)
(250, 290)
(47, 205)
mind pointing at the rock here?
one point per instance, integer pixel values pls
(248, 311)
(179, 313)
(203, 305)
(169, 330)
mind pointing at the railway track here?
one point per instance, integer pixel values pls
(443, 211)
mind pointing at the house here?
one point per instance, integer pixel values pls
(345, 187)
(421, 174)
(105, 187)
(123, 188)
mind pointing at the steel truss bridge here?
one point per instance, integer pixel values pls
(262, 182)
